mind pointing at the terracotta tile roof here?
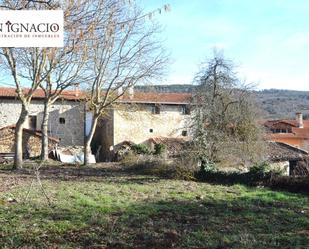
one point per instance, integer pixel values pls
(281, 135)
(154, 97)
(7, 92)
(270, 123)
(302, 133)
(138, 97)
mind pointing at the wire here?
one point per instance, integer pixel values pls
(7, 84)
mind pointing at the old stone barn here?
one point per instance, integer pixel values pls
(31, 142)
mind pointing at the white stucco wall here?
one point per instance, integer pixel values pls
(70, 133)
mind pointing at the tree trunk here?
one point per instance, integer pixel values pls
(18, 157)
(44, 128)
(87, 146)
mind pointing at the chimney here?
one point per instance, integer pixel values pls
(131, 92)
(299, 120)
(120, 92)
(76, 90)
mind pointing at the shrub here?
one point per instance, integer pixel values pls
(260, 168)
(141, 149)
(207, 166)
(155, 166)
(263, 169)
(159, 149)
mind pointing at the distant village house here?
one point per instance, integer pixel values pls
(293, 132)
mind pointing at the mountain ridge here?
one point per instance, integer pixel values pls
(274, 103)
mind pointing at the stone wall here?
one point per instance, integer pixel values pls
(138, 123)
(70, 133)
(283, 167)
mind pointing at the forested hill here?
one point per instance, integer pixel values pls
(273, 102)
(283, 103)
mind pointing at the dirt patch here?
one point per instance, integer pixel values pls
(8, 183)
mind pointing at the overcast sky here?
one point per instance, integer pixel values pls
(267, 39)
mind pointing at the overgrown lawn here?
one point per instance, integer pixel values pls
(128, 211)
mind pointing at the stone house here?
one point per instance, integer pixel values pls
(136, 117)
(66, 120)
(285, 157)
(140, 116)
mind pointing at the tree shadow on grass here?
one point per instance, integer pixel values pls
(148, 173)
(275, 182)
(257, 221)
(111, 173)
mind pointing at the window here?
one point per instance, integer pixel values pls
(62, 120)
(155, 109)
(151, 130)
(32, 122)
(281, 130)
(185, 110)
(184, 133)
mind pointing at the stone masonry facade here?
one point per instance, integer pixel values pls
(66, 120)
(141, 124)
(138, 123)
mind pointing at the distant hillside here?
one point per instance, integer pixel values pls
(274, 103)
(283, 103)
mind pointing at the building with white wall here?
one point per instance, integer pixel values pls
(66, 119)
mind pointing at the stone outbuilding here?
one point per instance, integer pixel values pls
(285, 157)
(31, 142)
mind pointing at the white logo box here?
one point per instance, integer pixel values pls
(31, 28)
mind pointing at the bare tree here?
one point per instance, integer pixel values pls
(225, 118)
(52, 69)
(15, 59)
(65, 66)
(26, 65)
(125, 52)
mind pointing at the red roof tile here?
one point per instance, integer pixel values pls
(138, 97)
(296, 132)
(270, 123)
(281, 135)
(7, 92)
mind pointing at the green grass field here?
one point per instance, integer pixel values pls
(129, 211)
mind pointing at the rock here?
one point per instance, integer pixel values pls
(11, 200)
